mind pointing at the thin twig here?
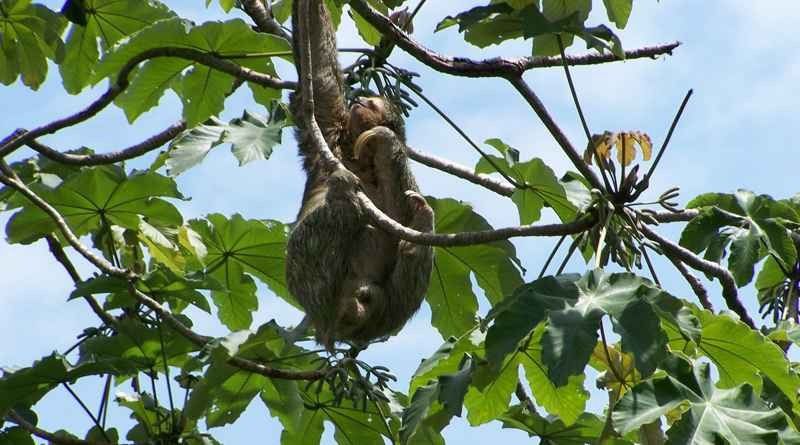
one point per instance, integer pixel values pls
(468, 238)
(729, 290)
(464, 135)
(538, 107)
(694, 283)
(669, 136)
(460, 171)
(574, 92)
(552, 255)
(570, 251)
(86, 409)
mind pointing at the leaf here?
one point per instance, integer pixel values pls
(541, 188)
(148, 86)
(733, 415)
(252, 137)
(106, 23)
(491, 391)
(202, 89)
(741, 354)
(29, 35)
(15, 436)
(237, 246)
(98, 197)
(517, 316)
(26, 386)
(494, 267)
(568, 342)
(745, 247)
(588, 428)
(567, 402)
(618, 11)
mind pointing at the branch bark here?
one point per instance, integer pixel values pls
(496, 67)
(694, 283)
(460, 171)
(729, 290)
(22, 137)
(263, 18)
(146, 146)
(46, 435)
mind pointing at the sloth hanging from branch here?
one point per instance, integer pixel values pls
(355, 281)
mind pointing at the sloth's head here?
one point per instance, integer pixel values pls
(369, 112)
(362, 306)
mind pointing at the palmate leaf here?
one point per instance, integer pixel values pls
(587, 429)
(252, 137)
(742, 354)
(733, 415)
(493, 265)
(237, 246)
(29, 35)
(26, 386)
(540, 186)
(201, 89)
(98, 197)
(106, 21)
(755, 225)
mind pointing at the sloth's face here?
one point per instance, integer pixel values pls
(366, 113)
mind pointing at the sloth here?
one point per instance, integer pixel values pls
(355, 281)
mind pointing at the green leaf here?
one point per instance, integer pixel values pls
(202, 89)
(16, 436)
(148, 86)
(106, 23)
(368, 33)
(568, 343)
(26, 386)
(29, 35)
(517, 316)
(741, 354)
(138, 346)
(237, 246)
(588, 428)
(745, 247)
(567, 402)
(490, 394)
(733, 415)
(252, 137)
(541, 188)
(95, 198)
(494, 267)
(619, 11)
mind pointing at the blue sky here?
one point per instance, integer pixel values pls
(739, 131)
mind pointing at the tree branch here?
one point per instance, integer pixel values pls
(538, 107)
(46, 435)
(263, 18)
(694, 283)
(131, 152)
(460, 171)
(22, 137)
(389, 225)
(131, 277)
(729, 290)
(496, 67)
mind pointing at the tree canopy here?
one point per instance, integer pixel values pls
(515, 350)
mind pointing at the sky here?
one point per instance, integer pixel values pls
(740, 57)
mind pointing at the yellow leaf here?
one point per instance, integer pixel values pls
(626, 149)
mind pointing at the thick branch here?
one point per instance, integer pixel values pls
(496, 67)
(561, 138)
(682, 216)
(729, 290)
(22, 137)
(460, 171)
(263, 18)
(46, 435)
(131, 152)
(387, 224)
